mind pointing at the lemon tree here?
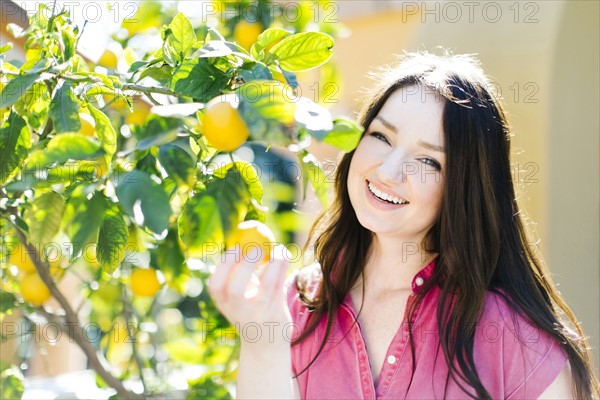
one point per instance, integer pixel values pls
(125, 174)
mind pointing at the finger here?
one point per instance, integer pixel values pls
(221, 275)
(240, 278)
(273, 277)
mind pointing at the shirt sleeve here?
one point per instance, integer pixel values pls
(518, 360)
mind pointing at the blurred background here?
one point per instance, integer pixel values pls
(543, 57)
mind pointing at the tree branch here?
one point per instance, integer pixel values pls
(148, 89)
(75, 330)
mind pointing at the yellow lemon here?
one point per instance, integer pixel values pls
(223, 126)
(141, 110)
(22, 260)
(254, 238)
(245, 33)
(144, 282)
(108, 59)
(34, 290)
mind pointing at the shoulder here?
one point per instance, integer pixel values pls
(522, 358)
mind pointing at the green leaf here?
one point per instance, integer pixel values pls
(248, 173)
(7, 302)
(11, 383)
(272, 36)
(256, 72)
(34, 105)
(8, 46)
(15, 142)
(266, 40)
(345, 134)
(253, 185)
(69, 44)
(83, 218)
(112, 240)
(169, 257)
(144, 200)
(157, 131)
(36, 67)
(208, 217)
(271, 99)
(105, 131)
(178, 164)
(268, 109)
(313, 173)
(200, 225)
(64, 110)
(137, 65)
(182, 36)
(199, 79)
(162, 74)
(302, 51)
(64, 147)
(222, 49)
(44, 218)
(16, 88)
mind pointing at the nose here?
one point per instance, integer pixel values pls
(394, 167)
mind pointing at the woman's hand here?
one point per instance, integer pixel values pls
(249, 299)
(253, 299)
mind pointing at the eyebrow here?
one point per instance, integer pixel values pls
(431, 146)
(421, 143)
(387, 124)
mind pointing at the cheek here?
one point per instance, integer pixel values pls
(359, 159)
(436, 194)
(431, 192)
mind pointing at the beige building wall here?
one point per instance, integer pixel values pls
(543, 56)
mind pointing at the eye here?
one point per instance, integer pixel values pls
(379, 136)
(431, 162)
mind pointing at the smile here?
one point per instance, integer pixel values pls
(385, 196)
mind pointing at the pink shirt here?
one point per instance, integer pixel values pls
(514, 359)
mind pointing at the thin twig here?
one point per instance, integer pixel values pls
(128, 313)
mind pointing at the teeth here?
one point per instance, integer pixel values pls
(385, 196)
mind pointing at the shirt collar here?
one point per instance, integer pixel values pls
(423, 276)
(417, 283)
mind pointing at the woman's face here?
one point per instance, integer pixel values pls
(395, 179)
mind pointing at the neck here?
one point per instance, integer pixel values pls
(393, 263)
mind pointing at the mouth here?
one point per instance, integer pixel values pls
(385, 197)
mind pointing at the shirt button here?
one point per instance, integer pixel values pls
(391, 360)
(419, 281)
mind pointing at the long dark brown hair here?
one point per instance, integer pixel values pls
(479, 226)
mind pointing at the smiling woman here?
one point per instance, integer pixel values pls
(424, 285)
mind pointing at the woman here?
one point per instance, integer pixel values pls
(425, 286)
